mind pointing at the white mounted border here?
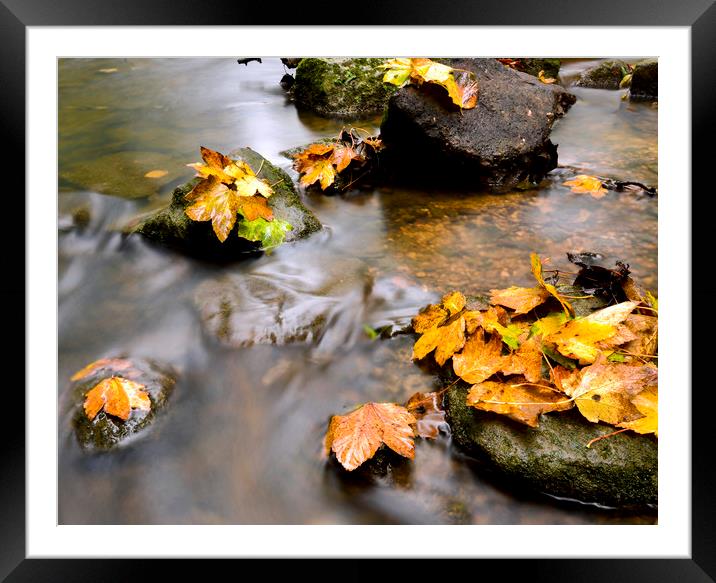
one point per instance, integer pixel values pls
(670, 538)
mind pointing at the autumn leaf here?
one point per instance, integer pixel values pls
(113, 364)
(461, 85)
(117, 396)
(519, 299)
(544, 79)
(355, 437)
(320, 170)
(253, 207)
(479, 359)
(523, 402)
(526, 360)
(446, 340)
(549, 324)
(430, 317)
(647, 402)
(156, 174)
(537, 272)
(269, 233)
(323, 162)
(427, 410)
(343, 155)
(587, 184)
(646, 329)
(216, 203)
(605, 390)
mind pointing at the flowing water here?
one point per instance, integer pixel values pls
(241, 440)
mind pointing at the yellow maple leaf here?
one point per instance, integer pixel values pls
(355, 437)
(537, 272)
(446, 340)
(517, 400)
(526, 360)
(217, 203)
(479, 359)
(519, 299)
(319, 170)
(435, 314)
(117, 396)
(587, 184)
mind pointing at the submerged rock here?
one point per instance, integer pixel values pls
(172, 228)
(345, 88)
(620, 471)
(105, 431)
(645, 81)
(502, 142)
(606, 75)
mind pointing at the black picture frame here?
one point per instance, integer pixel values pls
(16, 15)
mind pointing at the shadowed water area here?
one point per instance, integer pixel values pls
(241, 439)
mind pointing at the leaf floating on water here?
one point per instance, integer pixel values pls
(588, 185)
(518, 401)
(427, 410)
(156, 174)
(117, 396)
(355, 437)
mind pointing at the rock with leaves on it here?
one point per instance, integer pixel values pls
(645, 81)
(620, 471)
(500, 143)
(209, 220)
(341, 87)
(117, 398)
(605, 75)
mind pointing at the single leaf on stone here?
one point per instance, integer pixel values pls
(544, 79)
(479, 359)
(427, 410)
(518, 401)
(253, 207)
(526, 360)
(606, 389)
(463, 89)
(117, 396)
(218, 204)
(355, 437)
(519, 299)
(647, 402)
(588, 185)
(446, 340)
(113, 364)
(537, 272)
(269, 233)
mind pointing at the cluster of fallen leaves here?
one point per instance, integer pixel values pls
(524, 355)
(461, 85)
(229, 188)
(116, 395)
(322, 162)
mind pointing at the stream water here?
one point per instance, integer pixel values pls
(241, 438)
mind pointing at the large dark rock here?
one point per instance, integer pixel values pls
(343, 88)
(620, 471)
(172, 228)
(605, 75)
(106, 432)
(500, 143)
(645, 81)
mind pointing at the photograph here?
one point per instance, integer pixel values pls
(350, 290)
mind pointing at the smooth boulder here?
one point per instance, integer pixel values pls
(605, 75)
(619, 471)
(501, 143)
(341, 87)
(172, 228)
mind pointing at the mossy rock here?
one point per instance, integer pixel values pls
(620, 471)
(606, 75)
(172, 228)
(342, 88)
(106, 432)
(534, 66)
(645, 81)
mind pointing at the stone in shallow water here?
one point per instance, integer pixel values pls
(606, 75)
(172, 228)
(502, 142)
(620, 471)
(645, 81)
(345, 88)
(106, 432)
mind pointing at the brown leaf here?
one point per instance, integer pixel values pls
(427, 409)
(113, 364)
(523, 403)
(646, 331)
(117, 396)
(526, 360)
(355, 437)
(216, 203)
(520, 299)
(480, 359)
(253, 207)
(647, 402)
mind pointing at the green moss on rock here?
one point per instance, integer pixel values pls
(172, 228)
(344, 88)
(620, 471)
(606, 75)
(534, 66)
